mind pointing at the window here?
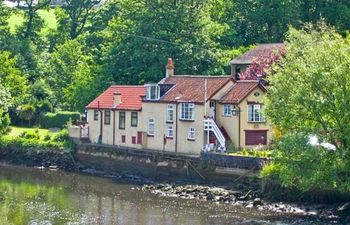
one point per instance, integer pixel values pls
(170, 113)
(122, 120)
(150, 130)
(133, 140)
(152, 92)
(123, 138)
(187, 111)
(191, 135)
(107, 117)
(95, 114)
(134, 119)
(170, 131)
(237, 72)
(255, 113)
(227, 110)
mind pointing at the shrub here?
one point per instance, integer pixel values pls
(59, 119)
(30, 134)
(61, 136)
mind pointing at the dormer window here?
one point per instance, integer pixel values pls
(152, 92)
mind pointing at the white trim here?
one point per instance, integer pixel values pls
(191, 133)
(170, 108)
(150, 126)
(189, 115)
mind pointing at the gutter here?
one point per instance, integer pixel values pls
(113, 127)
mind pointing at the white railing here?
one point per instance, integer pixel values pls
(210, 125)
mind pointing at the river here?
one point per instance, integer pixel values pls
(34, 196)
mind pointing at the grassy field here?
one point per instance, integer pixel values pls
(48, 15)
(16, 131)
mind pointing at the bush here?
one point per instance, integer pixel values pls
(61, 136)
(59, 119)
(30, 134)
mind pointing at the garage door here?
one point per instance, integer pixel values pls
(255, 137)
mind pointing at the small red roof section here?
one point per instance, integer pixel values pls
(192, 88)
(260, 50)
(131, 98)
(239, 91)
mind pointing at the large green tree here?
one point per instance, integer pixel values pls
(145, 33)
(310, 95)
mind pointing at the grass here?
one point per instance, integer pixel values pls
(16, 131)
(49, 17)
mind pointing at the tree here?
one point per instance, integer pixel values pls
(26, 112)
(5, 98)
(310, 91)
(309, 94)
(262, 66)
(145, 33)
(4, 121)
(75, 16)
(33, 22)
(11, 77)
(70, 75)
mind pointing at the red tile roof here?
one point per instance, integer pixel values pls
(131, 98)
(192, 88)
(239, 91)
(260, 50)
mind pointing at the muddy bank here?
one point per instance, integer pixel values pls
(250, 199)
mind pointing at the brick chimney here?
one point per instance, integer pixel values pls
(117, 98)
(169, 68)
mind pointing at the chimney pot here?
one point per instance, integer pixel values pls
(117, 99)
(170, 68)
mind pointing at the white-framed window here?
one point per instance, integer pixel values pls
(170, 131)
(255, 113)
(187, 111)
(150, 128)
(227, 110)
(191, 134)
(152, 92)
(170, 113)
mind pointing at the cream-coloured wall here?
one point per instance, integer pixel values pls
(245, 125)
(129, 131)
(94, 126)
(107, 130)
(158, 112)
(230, 123)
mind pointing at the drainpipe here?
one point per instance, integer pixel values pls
(101, 124)
(113, 127)
(176, 128)
(239, 126)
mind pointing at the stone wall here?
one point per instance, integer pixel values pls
(231, 161)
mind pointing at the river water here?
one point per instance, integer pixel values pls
(34, 196)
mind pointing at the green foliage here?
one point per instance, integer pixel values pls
(253, 153)
(26, 112)
(310, 91)
(4, 121)
(32, 139)
(30, 134)
(59, 119)
(308, 168)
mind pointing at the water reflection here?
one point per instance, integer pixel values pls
(31, 196)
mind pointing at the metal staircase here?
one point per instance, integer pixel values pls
(210, 125)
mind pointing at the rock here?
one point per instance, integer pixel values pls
(257, 202)
(250, 205)
(344, 210)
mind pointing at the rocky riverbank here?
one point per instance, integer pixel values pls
(247, 199)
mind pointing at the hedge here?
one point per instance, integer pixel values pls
(59, 119)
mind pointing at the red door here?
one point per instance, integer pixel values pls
(139, 138)
(256, 137)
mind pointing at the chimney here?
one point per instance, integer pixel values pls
(117, 98)
(169, 68)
